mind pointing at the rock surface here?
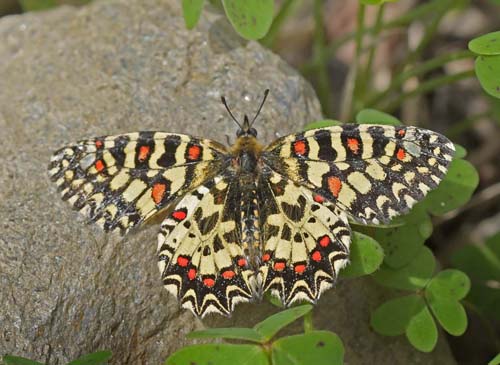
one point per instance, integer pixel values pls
(116, 66)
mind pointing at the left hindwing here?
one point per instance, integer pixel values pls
(200, 254)
(371, 172)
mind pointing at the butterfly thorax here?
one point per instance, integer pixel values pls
(245, 152)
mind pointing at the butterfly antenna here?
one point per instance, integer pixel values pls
(261, 105)
(223, 99)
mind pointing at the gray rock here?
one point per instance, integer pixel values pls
(112, 67)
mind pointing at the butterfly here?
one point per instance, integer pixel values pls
(247, 219)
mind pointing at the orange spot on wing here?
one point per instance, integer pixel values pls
(98, 143)
(318, 198)
(316, 256)
(401, 154)
(228, 274)
(299, 147)
(182, 261)
(194, 152)
(242, 262)
(209, 282)
(143, 153)
(99, 165)
(279, 266)
(179, 215)
(158, 192)
(401, 132)
(192, 274)
(334, 185)
(300, 268)
(353, 145)
(324, 241)
(266, 257)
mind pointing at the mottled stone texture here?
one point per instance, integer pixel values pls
(119, 66)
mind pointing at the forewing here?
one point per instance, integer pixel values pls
(372, 172)
(305, 238)
(200, 255)
(120, 181)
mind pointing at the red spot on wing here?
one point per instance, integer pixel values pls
(99, 165)
(179, 215)
(353, 145)
(143, 153)
(209, 282)
(194, 152)
(266, 257)
(318, 198)
(401, 132)
(158, 192)
(300, 268)
(242, 262)
(228, 274)
(316, 256)
(300, 148)
(279, 266)
(99, 143)
(324, 241)
(334, 185)
(182, 261)
(401, 154)
(192, 274)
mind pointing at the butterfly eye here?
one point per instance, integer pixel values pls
(252, 132)
(240, 132)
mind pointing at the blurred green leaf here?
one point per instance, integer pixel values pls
(402, 241)
(17, 360)
(392, 317)
(250, 18)
(191, 10)
(413, 276)
(322, 124)
(376, 2)
(315, 347)
(495, 360)
(422, 331)
(482, 264)
(449, 313)
(271, 325)
(366, 255)
(487, 44)
(372, 116)
(37, 5)
(455, 190)
(247, 334)
(460, 152)
(488, 72)
(95, 358)
(219, 354)
(449, 284)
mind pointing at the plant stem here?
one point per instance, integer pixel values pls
(373, 46)
(350, 88)
(320, 61)
(418, 70)
(426, 87)
(285, 11)
(308, 322)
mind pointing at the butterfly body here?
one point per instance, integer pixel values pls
(247, 219)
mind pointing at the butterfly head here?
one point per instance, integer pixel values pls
(246, 130)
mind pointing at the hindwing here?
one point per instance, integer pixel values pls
(120, 181)
(305, 240)
(372, 172)
(200, 253)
